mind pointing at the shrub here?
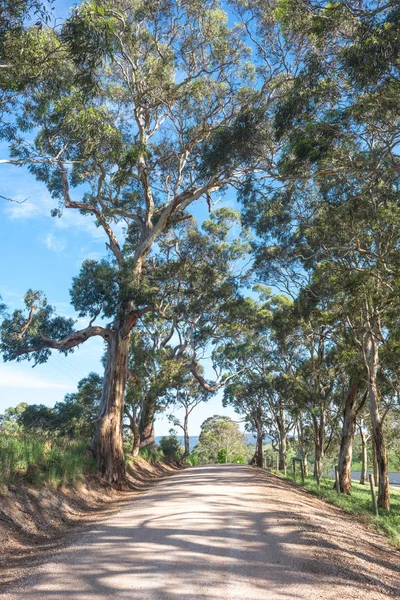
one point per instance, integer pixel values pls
(171, 447)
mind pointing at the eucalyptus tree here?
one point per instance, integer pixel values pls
(220, 441)
(195, 273)
(247, 397)
(121, 139)
(30, 55)
(187, 397)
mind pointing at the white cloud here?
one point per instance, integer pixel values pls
(15, 377)
(54, 243)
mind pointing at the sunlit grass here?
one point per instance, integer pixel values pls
(37, 460)
(359, 503)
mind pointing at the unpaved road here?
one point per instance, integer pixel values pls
(220, 533)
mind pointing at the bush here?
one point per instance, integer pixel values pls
(192, 460)
(171, 447)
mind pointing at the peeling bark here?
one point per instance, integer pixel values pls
(372, 355)
(107, 441)
(346, 441)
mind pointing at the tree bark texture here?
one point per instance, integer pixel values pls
(134, 425)
(372, 354)
(282, 439)
(107, 441)
(147, 424)
(186, 436)
(319, 437)
(347, 437)
(259, 444)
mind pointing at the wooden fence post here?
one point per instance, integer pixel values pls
(373, 494)
(294, 468)
(337, 482)
(277, 462)
(302, 472)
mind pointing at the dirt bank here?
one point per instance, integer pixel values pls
(34, 522)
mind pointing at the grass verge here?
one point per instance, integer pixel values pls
(359, 503)
(37, 460)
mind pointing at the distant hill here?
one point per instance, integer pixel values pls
(194, 440)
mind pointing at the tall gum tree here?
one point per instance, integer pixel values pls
(122, 140)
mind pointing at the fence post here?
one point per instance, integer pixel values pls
(337, 482)
(277, 462)
(373, 494)
(302, 472)
(294, 468)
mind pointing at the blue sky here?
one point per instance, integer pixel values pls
(44, 253)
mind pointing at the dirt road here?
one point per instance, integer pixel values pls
(220, 533)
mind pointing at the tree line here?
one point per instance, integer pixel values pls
(138, 110)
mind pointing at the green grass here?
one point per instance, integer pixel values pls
(393, 467)
(152, 456)
(360, 503)
(37, 460)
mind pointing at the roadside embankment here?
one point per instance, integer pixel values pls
(358, 503)
(36, 520)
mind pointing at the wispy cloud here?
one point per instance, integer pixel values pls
(14, 377)
(55, 243)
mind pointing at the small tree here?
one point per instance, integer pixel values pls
(220, 437)
(171, 447)
(188, 396)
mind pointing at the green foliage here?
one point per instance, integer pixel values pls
(171, 447)
(220, 440)
(37, 460)
(74, 418)
(94, 291)
(192, 460)
(24, 334)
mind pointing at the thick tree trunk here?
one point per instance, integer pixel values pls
(282, 439)
(346, 442)
(259, 444)
(364, 455)
(319, 437)
(375, 464)
(134, 425)
(107, 441)
(372, 354)
(300, 437)
(147, 424)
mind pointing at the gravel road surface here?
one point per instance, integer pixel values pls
(220, 533)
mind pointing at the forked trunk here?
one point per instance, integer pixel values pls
(372, 354)
(346, 442)
(107, 441)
